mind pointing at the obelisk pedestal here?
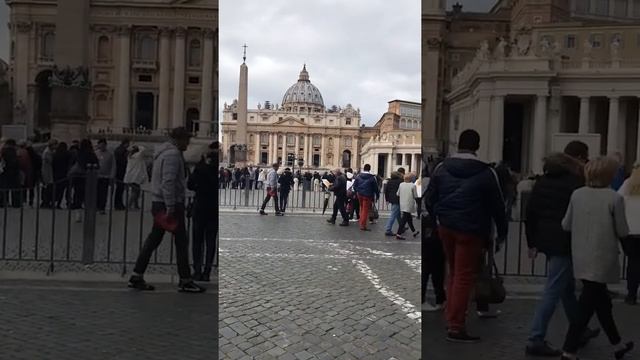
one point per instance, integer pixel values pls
(69, 81)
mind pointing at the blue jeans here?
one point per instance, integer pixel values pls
(560, 286)
(395, 215)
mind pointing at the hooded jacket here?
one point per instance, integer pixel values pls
(548, 204)
(391, 188)
(168, 177)
(464, 195)
(366, 184)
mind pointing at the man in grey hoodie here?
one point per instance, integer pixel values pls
(272, 190)
(168, 183)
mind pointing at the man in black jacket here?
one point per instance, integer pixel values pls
(391, 196)
(339, 188)
(549, 199)
(121, 156)
(464, 195)
(286, 182)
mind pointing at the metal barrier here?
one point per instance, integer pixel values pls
(302, 198)
(513, 258)
(66, 227)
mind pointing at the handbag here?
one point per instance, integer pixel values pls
(374, 215)
(490, 286)
(271, 191)
(166, 222)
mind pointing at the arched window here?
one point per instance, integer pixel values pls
(195, 53)
(48, 45)
(146, 48)
(104, 51)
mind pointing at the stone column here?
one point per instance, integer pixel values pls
(539, 131)
(297, 151)
(206, 102)
(389, 164)
(284, 149)
(258, 149)
(178, 78)
(338, 155)
(273, 154)
(630, 8)
(638, 137)
(497, 128)
(482, 121)
(21, 64)
(123, 114)
(612, 133)
(165, 78)
(584, 115)
(323, 150)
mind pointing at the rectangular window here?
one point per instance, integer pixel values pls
(144, 78)
(316, 140)
(235, 116)
(582, 6)
(602, 7)
(596, 41)
(194, 80)
(620, 9)
(571, 42)
(264, 139)
(291, 139)
(348, 121)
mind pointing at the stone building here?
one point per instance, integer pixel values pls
(301, 127)
(5, 95)
(531, 75)
(394, 141)
(141, 64)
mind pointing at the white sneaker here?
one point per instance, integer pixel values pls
(431, 308)
(491, 314)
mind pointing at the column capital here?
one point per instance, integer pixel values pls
(614, 97)
(124, 30)
(165, 31)
(181, 32)
(23, 26)
(208, 33)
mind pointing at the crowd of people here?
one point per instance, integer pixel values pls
(579, 212)
(59, 175)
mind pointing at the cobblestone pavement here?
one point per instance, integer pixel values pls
(58, 321)
(297, 288)
(505, 338)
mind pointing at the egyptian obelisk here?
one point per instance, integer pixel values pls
(70, 77)
(241, 132)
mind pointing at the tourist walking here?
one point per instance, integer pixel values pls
(464, 195)
(61, 164)
(631, 191)
(135, 175)
(391, 196)
(205, 212)
(286, 182)
(47, 174)
(168, 194)
(548, 202)
(106, 174)
(433, 260)
(407, 194)
(353, 206)
(366, 187)
(121, 156)
(339, 188)
(597, 222)
(272, 190)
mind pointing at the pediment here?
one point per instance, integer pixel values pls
(290, 121)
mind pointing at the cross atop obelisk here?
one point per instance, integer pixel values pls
(244, 54)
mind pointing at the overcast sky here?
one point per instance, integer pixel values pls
(472, 5)
(362, 52)
(4, 31)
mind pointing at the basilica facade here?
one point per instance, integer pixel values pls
(300, 130)
(530, 76)
(146, 64)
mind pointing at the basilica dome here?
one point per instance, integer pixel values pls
(303, 95)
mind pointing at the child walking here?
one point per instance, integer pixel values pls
(597, 222)
(407, 193)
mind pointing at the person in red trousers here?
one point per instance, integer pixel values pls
(465, 197)
(366, 187)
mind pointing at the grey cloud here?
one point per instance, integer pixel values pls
(361, 52)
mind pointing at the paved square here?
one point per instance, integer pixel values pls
(53, 320)
(295, 287)
(505, 338)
